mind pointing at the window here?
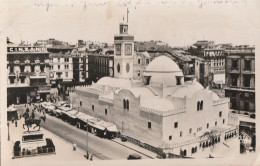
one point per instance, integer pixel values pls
(149, 125)
(176, 125)
(181, 134)
(51, 67)
(66, 66)
(22, 80)
(32, 69)
(66, 59)
(58, 59)
(246, 106)
(22, 68)
(127, 104)
(170, 137)
(147, 61)
(247, 79)
(178, 80)
(234, 78)
(190, 131)
(198, 106)
(201, 105)
(139, 61)
(223, 121)
(220, 114)
(12, 80)
(138, 73)
(124, 104)
(58, 67)
(106, 111)
(216, 123)
(234, 64)
(207, 125)
(42, 68)
(247, 65)
(93, 108)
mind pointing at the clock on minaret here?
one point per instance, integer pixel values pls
(128, 49)
(118, 49)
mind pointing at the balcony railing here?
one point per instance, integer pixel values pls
(247, 69)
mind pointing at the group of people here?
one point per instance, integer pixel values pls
(87, 156)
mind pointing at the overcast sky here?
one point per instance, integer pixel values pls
(177, 24)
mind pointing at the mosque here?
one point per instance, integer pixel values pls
(160, 112)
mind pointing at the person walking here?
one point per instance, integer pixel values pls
(74, 146)
(16, 123)
(91, 158)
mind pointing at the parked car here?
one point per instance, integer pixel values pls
(134, 156)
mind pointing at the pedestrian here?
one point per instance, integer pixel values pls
(20, 116)
(74, 146)
(16, 123)
(91, 158)
(87, 155)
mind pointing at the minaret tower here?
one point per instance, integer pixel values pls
(124, 51)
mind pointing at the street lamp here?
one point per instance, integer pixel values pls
(87, 155)
(8, 124)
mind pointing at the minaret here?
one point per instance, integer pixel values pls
(124, 50)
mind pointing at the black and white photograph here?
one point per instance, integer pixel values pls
(129, 82)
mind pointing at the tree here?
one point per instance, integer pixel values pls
(210, 135)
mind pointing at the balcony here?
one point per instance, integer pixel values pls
(247, 69)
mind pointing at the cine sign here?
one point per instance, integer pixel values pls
(26, 49)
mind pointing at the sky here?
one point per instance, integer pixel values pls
(179, 23)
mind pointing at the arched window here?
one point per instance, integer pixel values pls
(198, 106)
(195, 150)
(201, 105)
(127, 104)
(124, 104)
(184, 152)
(192, 150)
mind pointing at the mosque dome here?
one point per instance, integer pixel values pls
(163, 70)
(163, 64)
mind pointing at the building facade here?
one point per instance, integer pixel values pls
(215, 57)
(80, 67)
(61, 67)
(28, 74)
(240, 76)
(100, 66)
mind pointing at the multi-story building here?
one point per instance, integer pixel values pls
(61, 67)
(240, 77)
(100, 66)
(216, 59)
(28, 74)
(141, 60)
(80, 66)
(240, 82)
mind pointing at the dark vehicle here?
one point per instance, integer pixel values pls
(134, 157)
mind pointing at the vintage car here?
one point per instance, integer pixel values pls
(134, 156)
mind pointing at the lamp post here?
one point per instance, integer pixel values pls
(87, 155)
(8, 124)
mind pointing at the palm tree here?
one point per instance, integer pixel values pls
(210, 135)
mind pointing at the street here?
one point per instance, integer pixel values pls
(101, 148)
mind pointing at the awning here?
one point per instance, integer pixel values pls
(146, 74)
(98, 126)
(44, 91)
(37, 77)
(112, 128)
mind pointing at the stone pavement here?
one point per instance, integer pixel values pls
(64, 149)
